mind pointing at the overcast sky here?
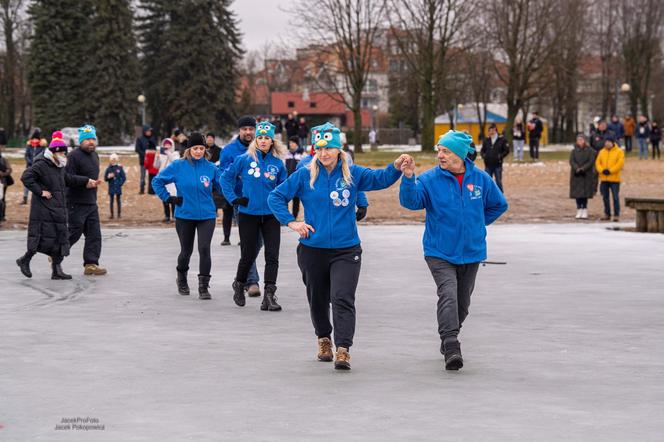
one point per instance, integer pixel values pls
(262, 20)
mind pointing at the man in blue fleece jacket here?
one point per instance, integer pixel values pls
(460, 201)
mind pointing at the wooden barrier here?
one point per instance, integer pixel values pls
(649, 214)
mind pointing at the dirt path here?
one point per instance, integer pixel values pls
(537, 193)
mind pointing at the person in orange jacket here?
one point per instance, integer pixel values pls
(629, 125)
(609, 163)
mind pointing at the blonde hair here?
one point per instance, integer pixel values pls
(345, 169)
(277, 149)
(187, 154)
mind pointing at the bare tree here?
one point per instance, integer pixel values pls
(343, 34)
(524, 35)
(427, 29)
(11, 17)
(563, 65)
(640, 38)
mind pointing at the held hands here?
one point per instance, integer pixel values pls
(302, 228)
(177, 200)
(46, 194)
(402, 158)
(408, 166)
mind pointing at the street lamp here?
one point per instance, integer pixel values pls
(624, 88)
(141, 102)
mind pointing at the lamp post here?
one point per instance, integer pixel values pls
(141, 103)
(624, 88)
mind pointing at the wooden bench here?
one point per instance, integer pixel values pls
(649, 214)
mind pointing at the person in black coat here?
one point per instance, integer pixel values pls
(494, 150)
(146, 142)
(48, 232)
(82, 203)
(535, 129)
(583, 178)
(293, 157)
(655, 138)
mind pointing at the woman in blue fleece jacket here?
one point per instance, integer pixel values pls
(460, 201)
(329, 253)
(261, 169)
(195, 211)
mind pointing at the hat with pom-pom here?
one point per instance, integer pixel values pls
(57, 143)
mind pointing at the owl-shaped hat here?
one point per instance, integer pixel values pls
(265, 129)
(327, 136)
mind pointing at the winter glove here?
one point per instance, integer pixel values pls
(361, 213)
(177, 200)
(243, 201)
(606, 172)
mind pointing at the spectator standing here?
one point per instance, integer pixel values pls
(302, 132)
(609, 164)
(115, 177)
(32, 149)
(598, 137)
(5, 181)
(168, 155)
(494, 150)
(518, 138)
(293, 158)
(629, 127)
(583, 179)
(655, 138)
(617, 128)
(535, 129)
(642, 137)
(291, 126)
(152, 168)
(144, 143)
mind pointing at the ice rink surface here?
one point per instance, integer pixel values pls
(564, 342)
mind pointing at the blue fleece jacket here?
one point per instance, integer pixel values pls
(362, 200)
(194, 181)
(330, 206)
(231, 151)
(456, 218)
(258, 176)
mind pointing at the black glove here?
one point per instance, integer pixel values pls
(242, 201)
(606, 172)
(361, 213)
(177, 200)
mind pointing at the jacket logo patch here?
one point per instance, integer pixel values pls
(340, 199)
(205, 180)
(272, 172)
(475, 191)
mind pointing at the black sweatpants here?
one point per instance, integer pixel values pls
(331, 276)
(534, 148)
(296, 207)
(250, 227)
(118, 199)
(655, 149)
(169, 210)
(186, 229)
(150, 189)
(84, 220)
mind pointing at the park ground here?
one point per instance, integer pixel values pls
(536, 192)
(563, 342)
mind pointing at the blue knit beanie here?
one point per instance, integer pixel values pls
(327, 136)
(458, 142)
(87, 132)
(265, 129)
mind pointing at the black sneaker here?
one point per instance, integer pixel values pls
(225, 243)
(452, 352)
(238, 294)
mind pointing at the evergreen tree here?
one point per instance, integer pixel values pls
(114, 75)
(57, 58)
(190, 52)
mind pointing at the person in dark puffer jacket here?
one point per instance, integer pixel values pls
(48, 232)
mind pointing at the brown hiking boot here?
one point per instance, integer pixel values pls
(253, 291)
(94, 269)
(343, 359)
(325, 350)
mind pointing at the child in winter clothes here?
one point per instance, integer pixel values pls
(167, 155)
(115, 177)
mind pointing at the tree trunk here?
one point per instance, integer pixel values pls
(357, 123)
(10, 62)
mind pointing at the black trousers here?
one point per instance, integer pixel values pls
(169, 210)
(628, 143)
(57, 259)
(227, 220)
(582, 203)
(496, 172)
(186, 230)
(605, 187)
(250, 227)
(84, 220)
(330, 276)
(655, 149)
(150, 189)
(118, 199)
(296, 207)
(534, 148)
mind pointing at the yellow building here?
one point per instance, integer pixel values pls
(466, 120)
